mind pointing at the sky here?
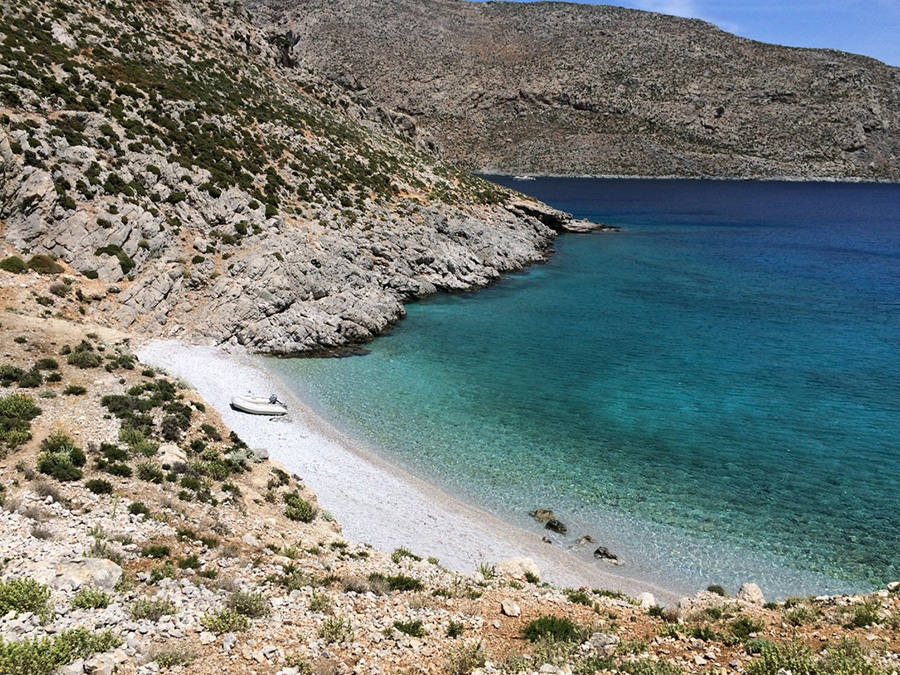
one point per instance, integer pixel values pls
(869, 27)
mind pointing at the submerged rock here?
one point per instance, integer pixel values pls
(556, 526)
(542, 515)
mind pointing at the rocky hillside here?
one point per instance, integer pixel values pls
(138, 535)
(176, 153)
(557, 88)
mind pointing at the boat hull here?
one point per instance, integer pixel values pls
(258, 406)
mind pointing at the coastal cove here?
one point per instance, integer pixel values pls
(711, 394)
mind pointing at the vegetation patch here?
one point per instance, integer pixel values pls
(42, 656)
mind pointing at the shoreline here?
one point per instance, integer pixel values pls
(375, 502)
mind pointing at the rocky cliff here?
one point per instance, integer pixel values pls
(556, 88)
(177, 153)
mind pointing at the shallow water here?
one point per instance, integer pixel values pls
(713, 393)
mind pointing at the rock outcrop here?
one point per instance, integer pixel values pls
(258, 204)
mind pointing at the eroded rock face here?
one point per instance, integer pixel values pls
(575, 89)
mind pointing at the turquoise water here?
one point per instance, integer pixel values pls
(713, 393)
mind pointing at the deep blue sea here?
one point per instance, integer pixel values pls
(713, 393)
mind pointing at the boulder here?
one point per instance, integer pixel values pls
(517, 568)
(77, 573)
(542, 515)
(556, 526)
(170, 454)
(751, 593)
(603, 553)
(647, 600)
(510, 608)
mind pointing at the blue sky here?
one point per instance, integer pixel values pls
(870, 27)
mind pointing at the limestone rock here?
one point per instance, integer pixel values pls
(510, 608)
(556, 526)
(517, 568)
(647, 600)
(751, 593)
(542, 515)
(77, 573)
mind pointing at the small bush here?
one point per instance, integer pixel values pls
(167, 658)
(42, 656)
(151, 609)
(46, 364)
(164, 571)
(44, 264)
(83, 359)
(13, 264)
(23, 594)
(399, 582)
(99, 486)
(74, 390)
(59, 465)
(136, 508)
(455, 629)
(298, 508)
(646, 667)
(864, 615)
(743, 626)
(90, 598)
(156, 551)
(253, 605)
(411, 628)
(225, 621)
(718, 589)
(150, 472)
(578, 597)
(319, 602)
(401, 553)
(553, 628)
(335, 629)
(465, 658)
(794, 657)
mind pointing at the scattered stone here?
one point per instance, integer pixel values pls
(510, 608)
(542, 515)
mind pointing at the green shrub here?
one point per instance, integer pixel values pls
(578, 597)
(647, 667)
(13, 264)
(44, 264)
(532, 578)
(335, 629)
(99, 486)
(794, 657)
(164, 571)
(463, 659)
(23, 594)
(399, 582)
(411, 628)
(74, 390)
(864, 615)
(59, 465)
(167, 658)
(552, 628)
(298, 508)
(455, 629)
(253, 605)
(191, 562)
(757, 645)
(802, 615)
(90, 598)
(84, 359)
(319, 602)
(42, 656)
(31, 379)
(225, 621)
(136, 508)
(156, 551)
(400, 553)
(152, 609)
(150, 472)
(46, 364)
(718, 589)
(742, 626)
(703, 633)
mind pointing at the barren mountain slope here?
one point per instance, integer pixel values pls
(588, 89)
